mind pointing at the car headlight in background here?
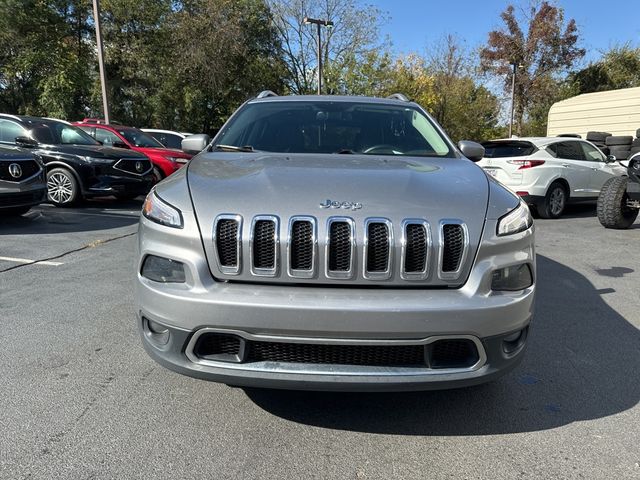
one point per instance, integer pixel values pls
(515, 277)
(177, 160)
(517, 220)
(159, 211)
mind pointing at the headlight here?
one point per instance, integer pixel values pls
(517, 220)
(159, 211)
(177, 159)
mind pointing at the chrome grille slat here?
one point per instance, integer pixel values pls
(454, 245)
(378, 242)
(227, 238)
(264, 245)
(416, 248)
(340, 247)
(302, 247)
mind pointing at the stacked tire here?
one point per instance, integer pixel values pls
(619, 146)
(635, 145)
(599, 139)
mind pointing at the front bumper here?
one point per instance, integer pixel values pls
(120, 185)
(24, 194)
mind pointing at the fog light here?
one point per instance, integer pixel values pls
(156, 332)
(516, 277)
(162, 270)
(515, 341)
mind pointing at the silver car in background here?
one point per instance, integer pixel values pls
(335, 243)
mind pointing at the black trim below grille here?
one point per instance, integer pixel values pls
(453, 247)
(415, 259)
(264, 244)
(227, 242)
(301, 245)
(19, 199)
(378, 247)
(340, 247)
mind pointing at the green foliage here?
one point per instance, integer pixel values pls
(618, 68)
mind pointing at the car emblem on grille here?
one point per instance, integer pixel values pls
(139, 166)
(345, 205)
(15, 170)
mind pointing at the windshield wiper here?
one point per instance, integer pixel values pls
(233, 148)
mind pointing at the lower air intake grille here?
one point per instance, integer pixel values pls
(264, 244)
(416, 254)
(301, 245)
(458, 353)
(340, 247)
(370, 355)
(217, 346)
(227, 242)
(378, 247)
(453, 238)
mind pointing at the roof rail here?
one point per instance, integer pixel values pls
(57, 120)
(398, 96)
(266, 93)
(10, 116)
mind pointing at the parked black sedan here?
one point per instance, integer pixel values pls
(77, 165)
(22, 181)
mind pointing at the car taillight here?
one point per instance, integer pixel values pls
(526, 163)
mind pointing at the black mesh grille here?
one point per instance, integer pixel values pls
(453, 354)
(453, 247)
(416, 249)
(264, 243)
(340, 247)
(17, 199)
(378, 247)
(28, 168)
(375, 355)
(215, 344)
(301, 245)
(227, 242)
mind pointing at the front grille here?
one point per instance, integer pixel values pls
(415, 260)
(340, 246)
(302, 245)
(137, 166)
(454, 353)
(453, 247)
(218, 346)
(377, 247)
(367, 355)
(18, 199)
(228, 242)
(264, 244)
(28, 168)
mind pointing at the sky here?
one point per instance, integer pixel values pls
(414, 25)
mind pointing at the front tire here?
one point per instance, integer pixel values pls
(613, 211)
(63, 189)
(555, 201)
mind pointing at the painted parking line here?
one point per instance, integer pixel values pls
(26, 260)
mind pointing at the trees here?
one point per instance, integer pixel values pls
(618, 68)
(547, 49)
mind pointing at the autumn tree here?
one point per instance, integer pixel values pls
(541, 45)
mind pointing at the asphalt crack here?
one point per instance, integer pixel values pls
(93, 244)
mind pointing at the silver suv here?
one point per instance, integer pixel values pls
(335, 243)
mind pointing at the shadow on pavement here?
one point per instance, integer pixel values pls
(95, 214)
(582, 363)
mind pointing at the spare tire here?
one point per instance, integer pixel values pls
(619, 140)
(636, 142)
(633, 151)
(620, 152)
(613, 210)
(638, 133)
(597, 136)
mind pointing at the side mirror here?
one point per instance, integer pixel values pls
(472, 150)
(120, 145)
(26, 142)
(194, 144)
(611, 159)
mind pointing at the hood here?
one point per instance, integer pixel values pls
(95, 151)
(165, 152)
(252, 183)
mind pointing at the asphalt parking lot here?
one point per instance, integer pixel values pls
(80, 399)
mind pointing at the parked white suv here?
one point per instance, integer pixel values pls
(549, 172)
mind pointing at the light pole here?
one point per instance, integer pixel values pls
(318, 23)
(515, 66)
(103, 77)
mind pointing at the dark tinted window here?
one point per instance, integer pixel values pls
(58, 133)
(508, 149)
(567, 150)
(307, 126)
(138, 138)
(106, 137)
(172, 141)
(10, 130)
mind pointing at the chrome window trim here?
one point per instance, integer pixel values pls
(297, 273)
(332, 369)
(465, 248)
(346, 274)
(115, 166)
(386, 274)
(265, 272)
(424, 274)
(224, 269)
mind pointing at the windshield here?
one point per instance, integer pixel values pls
(138, 138)
(334, 127)
(56, 133)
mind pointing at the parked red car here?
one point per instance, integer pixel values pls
(165, 160)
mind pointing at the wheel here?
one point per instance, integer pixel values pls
(15, 212)
(619, 140)
(62, 187)
(613, 211)
(157, 175)
(554, 201)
